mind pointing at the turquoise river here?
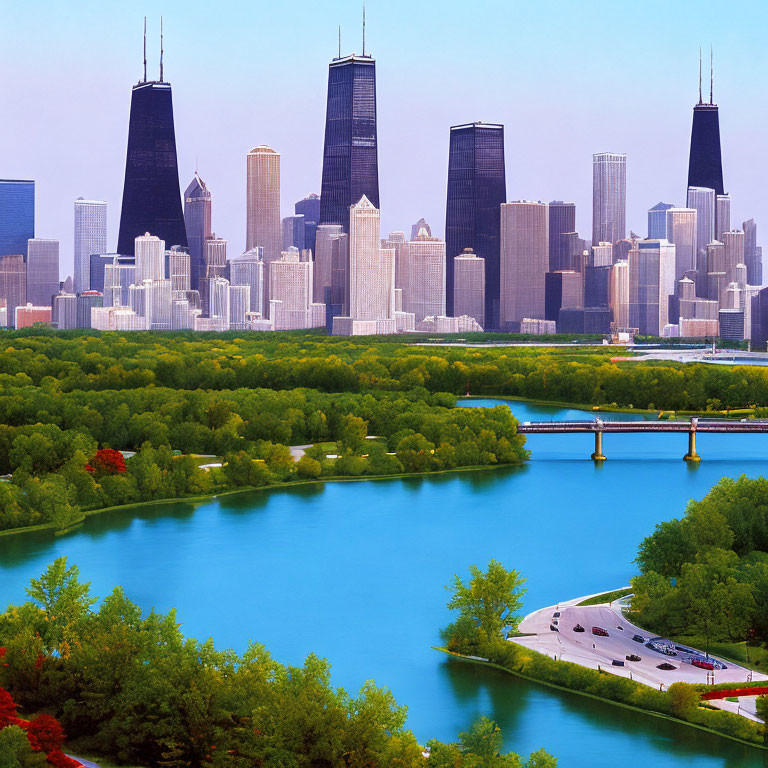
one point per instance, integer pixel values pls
(354, 571)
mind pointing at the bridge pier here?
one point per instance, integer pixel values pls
(692, 455)
(598, 455)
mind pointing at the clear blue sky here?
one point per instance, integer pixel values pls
(566, 78)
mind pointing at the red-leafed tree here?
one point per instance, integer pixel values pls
(107, 461)
(8, 714)
(45, 734)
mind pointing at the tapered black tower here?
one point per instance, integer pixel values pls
(705, 165)
(151, 194)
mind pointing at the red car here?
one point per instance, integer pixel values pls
(702, 664)
(599, 631)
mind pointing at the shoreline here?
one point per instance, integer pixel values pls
(246, 489)
(494, 665)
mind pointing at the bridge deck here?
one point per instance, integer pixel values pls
(550, 427)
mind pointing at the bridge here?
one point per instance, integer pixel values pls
(598, 427)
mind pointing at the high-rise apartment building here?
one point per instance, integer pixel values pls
(562, 219)
(524, 262)
(350, 153)
(469, 286)
(178, 269)
(619, 294)
(476, 190)
(323, 253)
(651, 283)
(17, 217)
(263, 207)
(682, 232)
(86, 301)
(42, 271)
(423, 276)
(609, 197)
(291, 292)
(733, 253)
(722, 215)
(239, 305)
(151, 193)
(215, 260)
(248, 269)
(150, 258)
(197, 222)
(657, 221)
(65, 311)
(703, 200)
(90, 238)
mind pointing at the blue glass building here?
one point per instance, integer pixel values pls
(350, 156)
(476, 190)
(197, 221)
(17, 215)
(657, 221)
(309, 208)
(151, 195)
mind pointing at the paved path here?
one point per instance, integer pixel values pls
(595, 651)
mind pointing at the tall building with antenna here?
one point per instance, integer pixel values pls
(350, 154)
(151, 193)
(705, 166)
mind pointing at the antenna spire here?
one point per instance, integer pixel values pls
(145, 49)
(363, 27)
(161, 49)
(711, 77)
(339, 40)
(700, 101)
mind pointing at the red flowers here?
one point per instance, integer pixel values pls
(45, 733)
(107, 461)
(724, 694)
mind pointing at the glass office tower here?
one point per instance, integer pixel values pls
(197, 220)
(476, 190)
(350, 157)
(17, 215)
(151, 196)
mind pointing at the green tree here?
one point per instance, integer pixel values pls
(308, 468)
(16, 752)
(491, 599)
(352, 434)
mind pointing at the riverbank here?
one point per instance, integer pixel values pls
(246, 489)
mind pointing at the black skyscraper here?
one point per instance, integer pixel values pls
(476, 190)
(562, 219)
(350, 160)
(151, 195)
(705, 166)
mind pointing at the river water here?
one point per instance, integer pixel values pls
(354, 571)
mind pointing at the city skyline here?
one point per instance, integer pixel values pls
(412, 173)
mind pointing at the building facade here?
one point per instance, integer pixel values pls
(42, 271)
(197, 222)
(90, 238)
(609, 197)
(469, 286)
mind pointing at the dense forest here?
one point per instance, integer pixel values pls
(706, 573)
(131, 687)
(69, 361)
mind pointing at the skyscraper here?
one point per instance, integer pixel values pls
(753, 254)
(562, 219)
(371, 267)
(13, 284)
(150, 258)
(263, 207)
(17, 217)
(681, 229)
(476, 190)
(657, 221)
(423, 267)
(42, 271)
(609, 197)
(703, 200)
(651, 283)
(469, 286)
(90, 238)
(290, 291)
(197, 221)
(722, 215)
(350, 153)
(85, 302)
(151, 194)
(65, 311)
(524, 261)
(618, 298)
(248, 269)
(705, 166)
(309, 208)
(323, 253)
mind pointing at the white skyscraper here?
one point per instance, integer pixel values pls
(371, 267)
(291, 290)
(422, 274)
(150, 258)
(609, 197)
(239, 304)
(90, 237)
(651, 283)
(722, 215)
(469, 286)
(248, 269)
(619, 294)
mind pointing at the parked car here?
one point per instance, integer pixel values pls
(621, 628)
(599, 631)
(701, 664)
(638, 638)
(617, 663)
(553, 628)
(578, 628)
(666, 665)
(633, 657)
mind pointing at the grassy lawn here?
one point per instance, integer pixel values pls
(737, 652)
(607, 597)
